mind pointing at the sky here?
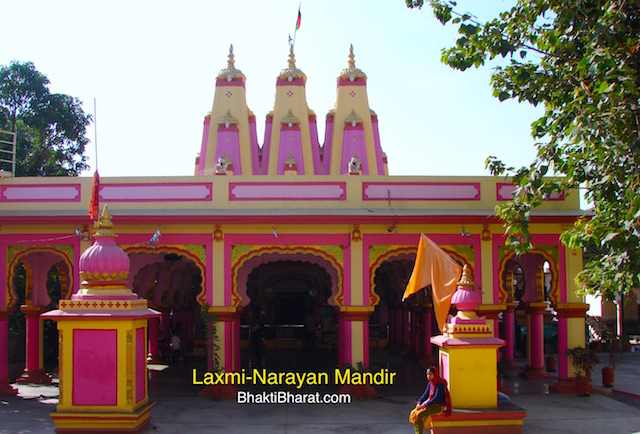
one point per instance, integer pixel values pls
(151, 68)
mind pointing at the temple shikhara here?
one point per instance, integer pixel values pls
(287, 232)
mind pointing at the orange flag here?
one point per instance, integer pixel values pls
(94, 201)
(436, 268)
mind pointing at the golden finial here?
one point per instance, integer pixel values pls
(291, 72)
(466, 280)
(104, 225)
(353, 118)
(290, 161)
(230, 72)
(227, 119)
(352, 73)
(290, 119)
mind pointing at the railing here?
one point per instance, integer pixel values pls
(7, 154)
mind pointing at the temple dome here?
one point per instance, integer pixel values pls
(104, 260)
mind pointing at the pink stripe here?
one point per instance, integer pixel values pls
(290, 143)
(286, 82)
(156, 192)
(328, 138)
(41, 193)
(253, 140)
(266, 148)
(427, 191)
(203, 146)
(357, 82)
(504, 192)
(236, 82)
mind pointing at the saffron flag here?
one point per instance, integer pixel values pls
(436, 268)
(299, 19)
(94, 201)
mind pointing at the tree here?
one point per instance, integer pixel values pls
(50, 127)
(581, 61)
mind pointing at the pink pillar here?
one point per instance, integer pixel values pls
(535, 341)
(566, 311)
(154, 350)
(34, 370)
(508, 326)
(5, 388)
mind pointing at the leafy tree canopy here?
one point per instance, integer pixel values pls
(580, 60)
(50, 127)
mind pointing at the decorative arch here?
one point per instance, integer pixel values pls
(330, 257)
(505, 270)
(382, 253)
(194, 252)
(16, 254)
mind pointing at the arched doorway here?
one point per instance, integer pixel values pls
(288, 321)
(171, 281)
(39, 277)
(529, 290)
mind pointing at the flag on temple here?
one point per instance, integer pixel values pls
(436, 268)
(299, 19)
(94, 204)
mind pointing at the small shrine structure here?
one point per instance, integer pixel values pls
(103, 344)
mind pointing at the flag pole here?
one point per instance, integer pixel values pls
(298, 20)
(95, 131)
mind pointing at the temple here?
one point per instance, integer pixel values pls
(288, 232)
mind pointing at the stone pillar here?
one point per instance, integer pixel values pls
(508, 331)
(154, 355)
(535, 341)
(5, 388)
(34, 367)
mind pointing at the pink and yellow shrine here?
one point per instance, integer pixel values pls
(102, 344)
(291, 226)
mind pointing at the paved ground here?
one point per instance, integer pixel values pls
(177, 409)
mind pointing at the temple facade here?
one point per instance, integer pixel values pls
(290, 231)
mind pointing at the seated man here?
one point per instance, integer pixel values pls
(434, 400)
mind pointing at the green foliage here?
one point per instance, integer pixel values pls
(581, 61)
(583, 360)
(51, 128)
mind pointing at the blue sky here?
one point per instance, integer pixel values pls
(151, 66)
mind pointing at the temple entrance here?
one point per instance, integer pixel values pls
(39, 277)
(171, 283)
(289, 311)
(529, 325)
